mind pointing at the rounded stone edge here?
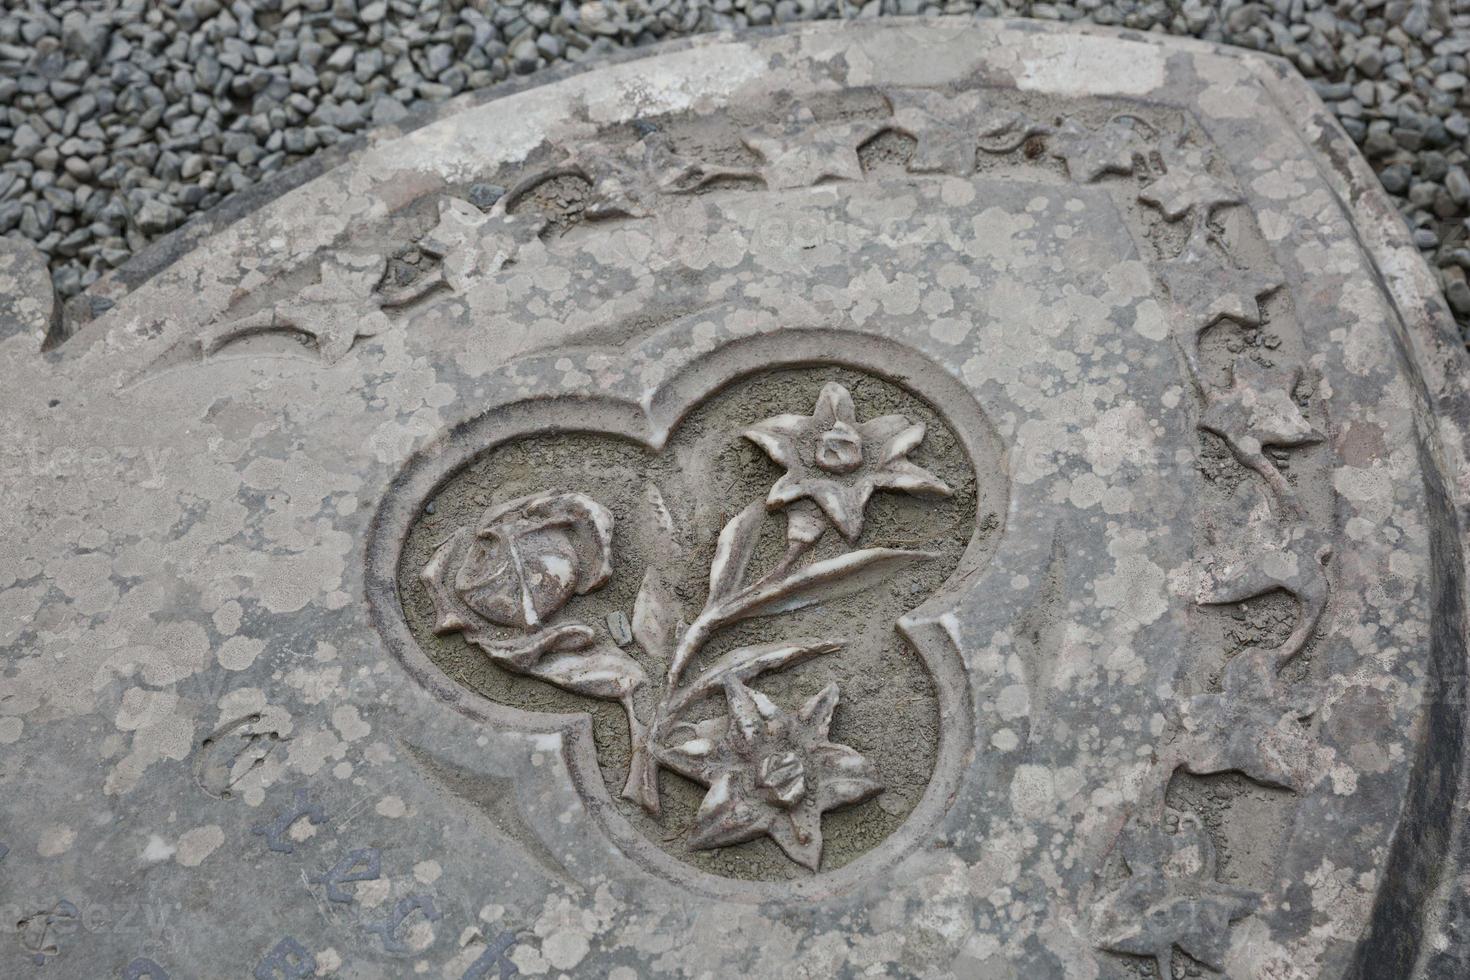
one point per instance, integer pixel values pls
(1424, 887)
(162, 252)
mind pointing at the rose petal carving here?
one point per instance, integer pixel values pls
(521, 563)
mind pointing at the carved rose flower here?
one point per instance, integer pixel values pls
(522, 562)
(838, 462)
(770, 772)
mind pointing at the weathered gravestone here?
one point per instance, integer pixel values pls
(888, 500)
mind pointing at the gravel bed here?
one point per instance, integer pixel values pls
(119, 120)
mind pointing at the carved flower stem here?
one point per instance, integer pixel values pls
(641, 786)
(715, 616)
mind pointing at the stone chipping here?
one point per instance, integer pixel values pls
(121, 120)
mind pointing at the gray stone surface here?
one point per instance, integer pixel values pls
(911, 500)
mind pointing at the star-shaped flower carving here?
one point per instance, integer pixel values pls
(1249, 727)
(1171, 898)
(949, 128)
(1092, 153)
(335, 311)
(1208, 289)
(770, 772)
(837, 461)
(801, 151)
(1257, 409)
(1187, 185)
(472, 244)
(627, 180)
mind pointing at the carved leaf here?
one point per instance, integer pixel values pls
(606, 672)
(1171, 899)
(655, 616)
(746, 663)
(822, 581)
(566, 656)
(733, 550)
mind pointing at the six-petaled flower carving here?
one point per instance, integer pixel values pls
(770, 772)
(837, 461)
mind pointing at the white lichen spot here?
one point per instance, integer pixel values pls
(197, 844)
(157, 850)
(239, 652)
(55, 840)
(348, 723)
(328, 961)
(1033, 792)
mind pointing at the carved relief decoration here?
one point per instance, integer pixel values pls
(770, 769)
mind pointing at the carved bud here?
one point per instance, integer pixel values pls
(840, 449)
(783, 777)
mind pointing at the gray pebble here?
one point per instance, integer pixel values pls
(483, 196)
(1458, 185)
(1458, 294)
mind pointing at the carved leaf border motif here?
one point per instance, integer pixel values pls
(504, 583)
(352, 298)
(1253, 725)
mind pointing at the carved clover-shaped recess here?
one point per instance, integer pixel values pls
(507, 581)
(770, 772)
(522, 563)
(838, 462)
(1171, 898)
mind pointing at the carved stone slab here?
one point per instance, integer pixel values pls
(905, 499)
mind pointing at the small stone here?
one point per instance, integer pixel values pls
(342, 57)
(484, 196)
(1396, 177)
(619, 628)
(155, 217)
(525, 57)
(373, 13)
(387, 111)
(1458, 294)
(1458, 185)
